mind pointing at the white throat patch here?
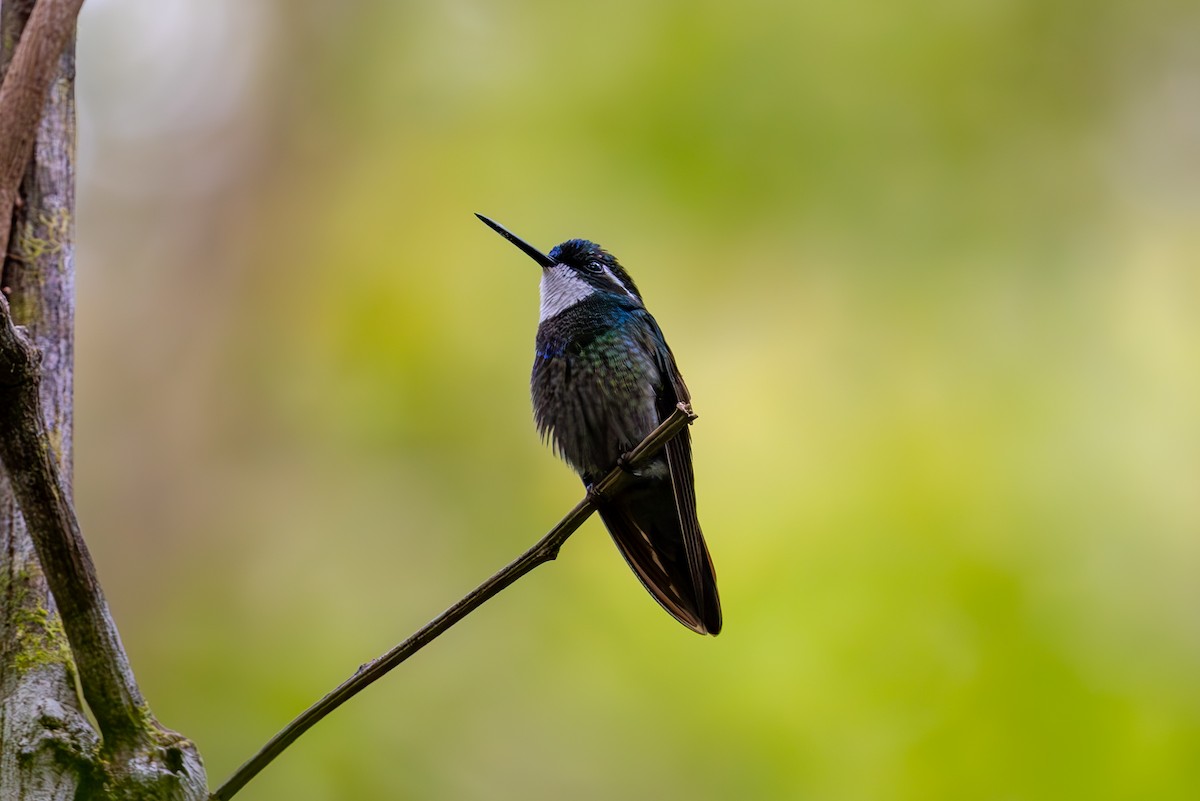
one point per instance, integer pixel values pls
(561, 289)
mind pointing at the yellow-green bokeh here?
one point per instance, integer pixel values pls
(932, 271)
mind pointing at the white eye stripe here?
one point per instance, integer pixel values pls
(618, 282)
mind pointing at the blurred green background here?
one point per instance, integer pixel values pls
(932, 271)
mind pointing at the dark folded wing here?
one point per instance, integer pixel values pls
(655, 554)
(702, 576)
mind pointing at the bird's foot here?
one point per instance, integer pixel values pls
(686, 408)
(595, 496)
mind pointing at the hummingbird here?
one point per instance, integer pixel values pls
(603, 379)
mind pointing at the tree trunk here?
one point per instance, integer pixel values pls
(45, 739)
(48, 748)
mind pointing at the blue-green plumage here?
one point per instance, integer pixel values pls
(594, 384)
(603, 378)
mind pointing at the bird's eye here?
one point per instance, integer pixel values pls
(594, 267)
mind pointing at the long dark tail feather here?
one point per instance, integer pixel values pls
(646, 526)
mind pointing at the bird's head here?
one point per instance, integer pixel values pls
(575, 270)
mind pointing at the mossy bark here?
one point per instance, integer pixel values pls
(48, 747)
(46, 742)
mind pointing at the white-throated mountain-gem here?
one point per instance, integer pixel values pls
(603, 379)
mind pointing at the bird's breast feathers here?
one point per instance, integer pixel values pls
(595, 397)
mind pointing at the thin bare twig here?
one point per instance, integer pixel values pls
(545, 550)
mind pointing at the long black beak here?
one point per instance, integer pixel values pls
(530, 251)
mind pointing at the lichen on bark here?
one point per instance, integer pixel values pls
(49, 750)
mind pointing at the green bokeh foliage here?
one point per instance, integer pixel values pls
(933, 285)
